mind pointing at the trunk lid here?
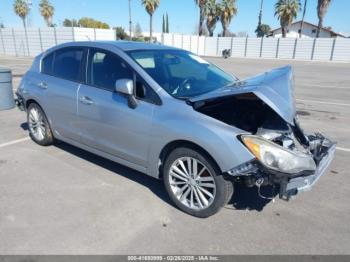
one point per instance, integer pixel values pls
(275, 88)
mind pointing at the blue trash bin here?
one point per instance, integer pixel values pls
(7, 100)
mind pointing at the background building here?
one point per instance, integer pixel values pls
(309, 30)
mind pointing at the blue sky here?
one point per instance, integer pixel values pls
(183, 14)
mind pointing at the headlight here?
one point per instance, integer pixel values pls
(276, 157)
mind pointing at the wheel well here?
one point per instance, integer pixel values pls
(181, 143)
(30, 101)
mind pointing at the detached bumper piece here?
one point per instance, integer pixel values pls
(324, 154)
(20, 102)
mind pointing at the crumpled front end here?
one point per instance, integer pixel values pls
(264, 108)
(316, 149)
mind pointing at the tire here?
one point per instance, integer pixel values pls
(38, 125)
(187, 191)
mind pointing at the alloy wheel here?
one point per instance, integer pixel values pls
(37, 124)
(192, 183)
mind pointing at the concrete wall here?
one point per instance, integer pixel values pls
(32, 41)
(321, 49)
(35, 40)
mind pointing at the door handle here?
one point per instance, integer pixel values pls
(42, 85)
(86, 100)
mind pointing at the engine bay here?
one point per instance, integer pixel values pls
(249, 113)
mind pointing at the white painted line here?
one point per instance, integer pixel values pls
(323, 86)
(322, 102)
(343, 149)
(14, 142)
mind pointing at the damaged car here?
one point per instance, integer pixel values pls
(170, 114)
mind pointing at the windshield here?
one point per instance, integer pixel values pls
(180, 73)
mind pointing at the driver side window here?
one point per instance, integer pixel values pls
(105, 69)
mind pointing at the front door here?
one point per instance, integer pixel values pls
(106, 121)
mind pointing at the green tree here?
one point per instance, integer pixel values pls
(322, 8)
(92, 23)
(138, 30)
(167, 23)
(263, 30)
(46, 11)
(21, 9)
(201, 4)
(303, 18)
(151, 6)
(211, 11)
(227, 9)
(163, 25)
(70, 23)
(258, 30)
(286, 11)
(120, 33)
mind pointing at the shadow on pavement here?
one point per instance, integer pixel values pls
(155, 185)
(244, 198)
(247, 198)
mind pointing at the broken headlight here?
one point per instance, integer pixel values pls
(277, 157)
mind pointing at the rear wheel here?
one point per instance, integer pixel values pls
(39, 128)
(195, 183)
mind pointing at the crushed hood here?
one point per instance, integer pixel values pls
(275, 88)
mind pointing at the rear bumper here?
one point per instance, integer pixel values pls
(20, 103)
(293, 186)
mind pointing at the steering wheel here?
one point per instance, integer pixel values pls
(184, 85)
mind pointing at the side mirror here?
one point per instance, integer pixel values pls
(126, 87)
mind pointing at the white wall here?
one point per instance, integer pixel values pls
(15, 42)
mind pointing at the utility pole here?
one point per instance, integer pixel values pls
(302, 20)
(130, 23)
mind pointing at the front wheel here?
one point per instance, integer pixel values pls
(195, 183)
(39, 128)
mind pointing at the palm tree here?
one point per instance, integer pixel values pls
(227, 9)
(21, 9)
(302, 19)
(211, 11)
(286, 11)
(201, 4)
(151, 6)
(322, 7)
(46, 11)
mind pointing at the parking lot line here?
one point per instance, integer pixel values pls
(322, 102)
(324, 86)
(343, 149)
(14, 142)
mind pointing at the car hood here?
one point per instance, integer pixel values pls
(275, 88)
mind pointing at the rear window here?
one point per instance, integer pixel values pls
(67, 64)
(46, 66)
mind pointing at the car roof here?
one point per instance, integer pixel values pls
(122, 45)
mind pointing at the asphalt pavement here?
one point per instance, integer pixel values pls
(63, 200)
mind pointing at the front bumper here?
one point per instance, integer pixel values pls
(293, 186)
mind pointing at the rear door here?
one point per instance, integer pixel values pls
(62, 73)
(106, 121)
